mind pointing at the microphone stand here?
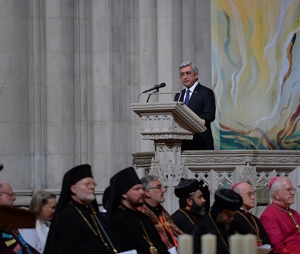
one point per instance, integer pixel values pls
(149, 95)
(156, 92)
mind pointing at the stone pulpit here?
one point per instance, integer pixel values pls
(167, 124)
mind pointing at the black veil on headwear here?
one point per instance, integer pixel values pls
(226, 199)
(71, 177)
(120, 183)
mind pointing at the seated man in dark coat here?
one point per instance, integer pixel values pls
(246, 222)
(218, 220)
(77, 225)
(133, 229)
(191, 205)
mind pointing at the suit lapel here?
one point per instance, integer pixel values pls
(194, 94)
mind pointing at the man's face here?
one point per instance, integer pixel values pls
(188, 76)
(83, 190)
(226, 217)
(7, 196)
(197, 203)
(285, 196)
(248, 195)
(156, 193)
(135, 195)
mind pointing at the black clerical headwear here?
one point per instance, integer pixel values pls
(120, 183)
(225, 199)
(186, 188)
(228, 199)
(71, 177)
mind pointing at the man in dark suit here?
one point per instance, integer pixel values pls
(200, 100)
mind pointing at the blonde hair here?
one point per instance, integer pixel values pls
(39, 199)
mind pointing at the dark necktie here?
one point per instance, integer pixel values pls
(187, 97)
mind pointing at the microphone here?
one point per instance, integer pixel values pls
(1, 166)
(156, 87)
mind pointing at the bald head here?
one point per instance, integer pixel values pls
(247, 193)
(7, 196)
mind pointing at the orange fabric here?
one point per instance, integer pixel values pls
(168, 230)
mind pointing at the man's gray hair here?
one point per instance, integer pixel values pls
(147, 179)
(189, 63)
(277, 185)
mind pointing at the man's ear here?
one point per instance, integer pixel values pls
(276, 195)
(124, 196)
(73, 189)
(189, 201)
(147, 194)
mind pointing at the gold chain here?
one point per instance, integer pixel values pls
(186, 216)
(290, 214)
(226, 245)
(255, 229)
(152, 249)
(90, 226)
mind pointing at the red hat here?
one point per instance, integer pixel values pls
(273, 180)
(236, 185)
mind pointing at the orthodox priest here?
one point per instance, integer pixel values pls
(133, 229)
(77, 225)
(219, 220)
(191, 205)
(247, 223)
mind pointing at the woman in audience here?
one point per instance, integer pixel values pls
(44, 203)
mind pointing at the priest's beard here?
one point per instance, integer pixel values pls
(86, 197)
(198, 210)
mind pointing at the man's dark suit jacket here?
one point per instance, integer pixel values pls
(202, 102)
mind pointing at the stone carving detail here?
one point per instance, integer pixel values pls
(166, 136)
(249, 175)
(264, 177)
(243, 159)
(214, 160)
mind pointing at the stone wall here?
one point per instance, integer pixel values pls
(69, 71)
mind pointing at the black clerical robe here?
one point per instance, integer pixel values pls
(204, 226)
(134, 229)
(74, 231)
(184, 220)
(246, 223)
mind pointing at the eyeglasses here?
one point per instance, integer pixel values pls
(89, 183)
(158, 187)
(9, 194)
(289, 190)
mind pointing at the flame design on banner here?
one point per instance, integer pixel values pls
(256, 74)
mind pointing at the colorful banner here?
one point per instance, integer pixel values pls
(256, 74)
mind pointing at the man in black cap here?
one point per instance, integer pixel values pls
(191, 204)
(77, 225)
(133, 229)
(219, 220)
